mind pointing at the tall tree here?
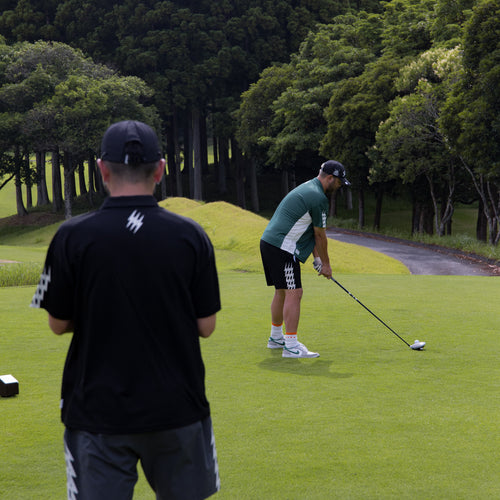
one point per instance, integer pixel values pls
(471, 115)
(325, 58)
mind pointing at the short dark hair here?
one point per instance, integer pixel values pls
(133, 173)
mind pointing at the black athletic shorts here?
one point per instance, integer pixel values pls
(178, 463)
(282, 269)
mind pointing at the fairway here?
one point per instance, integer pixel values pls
(369, 419)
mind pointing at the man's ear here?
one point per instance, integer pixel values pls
(104, 170)
(160, 170)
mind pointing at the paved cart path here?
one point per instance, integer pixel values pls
(418, 257)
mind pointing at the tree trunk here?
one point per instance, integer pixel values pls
(494, 202)
(378, 209)
(292, 179)
(203, 144)
(490, 205)
(176, 166)
(348, 198)
(188, 155)
(284, 183)
(81, 178)
(69, 183)
(223, 165)
(27, 179)
(170, 158)
(21, 209)
(72, 179)
(92, 178)
(42, 192)
(57, 199)
(333, 204)
(197, 192)
(361, 208)
(482, 223)
(215, 151)
(239, 166)
(254, 187)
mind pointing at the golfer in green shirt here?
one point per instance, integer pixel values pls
(297, 229)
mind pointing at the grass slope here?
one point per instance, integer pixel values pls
(235, 234)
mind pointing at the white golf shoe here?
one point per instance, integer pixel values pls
(274, 343)
(298, 351)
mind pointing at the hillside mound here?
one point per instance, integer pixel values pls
(235, 234)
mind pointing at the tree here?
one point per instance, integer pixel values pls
(471, 115)
(54, 99)
(357, 106)
(411, 142)
(255, 116)
(325, 58)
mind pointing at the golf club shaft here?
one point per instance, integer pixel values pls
(373, 314)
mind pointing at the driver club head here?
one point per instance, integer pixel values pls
(417, 345)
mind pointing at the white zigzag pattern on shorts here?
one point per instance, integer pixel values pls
(289, 277)
(70, 474)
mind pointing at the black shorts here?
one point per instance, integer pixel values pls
(178, 463)
(282, 269)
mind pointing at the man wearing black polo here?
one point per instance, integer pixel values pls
(137, 286)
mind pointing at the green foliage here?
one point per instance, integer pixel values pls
(56, 97)
(451, 15)
(355, 111)
(325, 58)
(410, 144)
(477, 93)
(407, 27)
(255, 114)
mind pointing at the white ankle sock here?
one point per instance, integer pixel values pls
(291, 339)
(276, 331)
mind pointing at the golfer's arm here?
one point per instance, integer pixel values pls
(206, 326)
(321, 245)
(60, 326)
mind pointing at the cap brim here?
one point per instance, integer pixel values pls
(345, 182)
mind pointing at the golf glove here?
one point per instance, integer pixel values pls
(317, 264)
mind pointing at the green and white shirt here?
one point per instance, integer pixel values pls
(291, 226)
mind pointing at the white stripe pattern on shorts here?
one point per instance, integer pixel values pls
(289, 277)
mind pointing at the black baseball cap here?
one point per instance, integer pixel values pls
(130, 142)
(335, 168)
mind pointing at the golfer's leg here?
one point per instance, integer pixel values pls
(98, 467)
(291, 309)
(277, 307)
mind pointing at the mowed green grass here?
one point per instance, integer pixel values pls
(369, 419)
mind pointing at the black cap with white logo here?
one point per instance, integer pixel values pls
(335, 168)
(130, 142)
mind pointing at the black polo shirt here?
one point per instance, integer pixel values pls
(134, 278)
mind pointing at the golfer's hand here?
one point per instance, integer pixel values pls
(326, 271)
(317, 264)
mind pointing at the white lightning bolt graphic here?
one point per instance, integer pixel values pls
(135, 221)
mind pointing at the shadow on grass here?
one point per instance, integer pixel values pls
(306, 367)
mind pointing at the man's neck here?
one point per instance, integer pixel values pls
(130, 190)
(323, 182)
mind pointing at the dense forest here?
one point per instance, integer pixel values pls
(403, 92)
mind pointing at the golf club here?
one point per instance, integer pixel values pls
(416, 346)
